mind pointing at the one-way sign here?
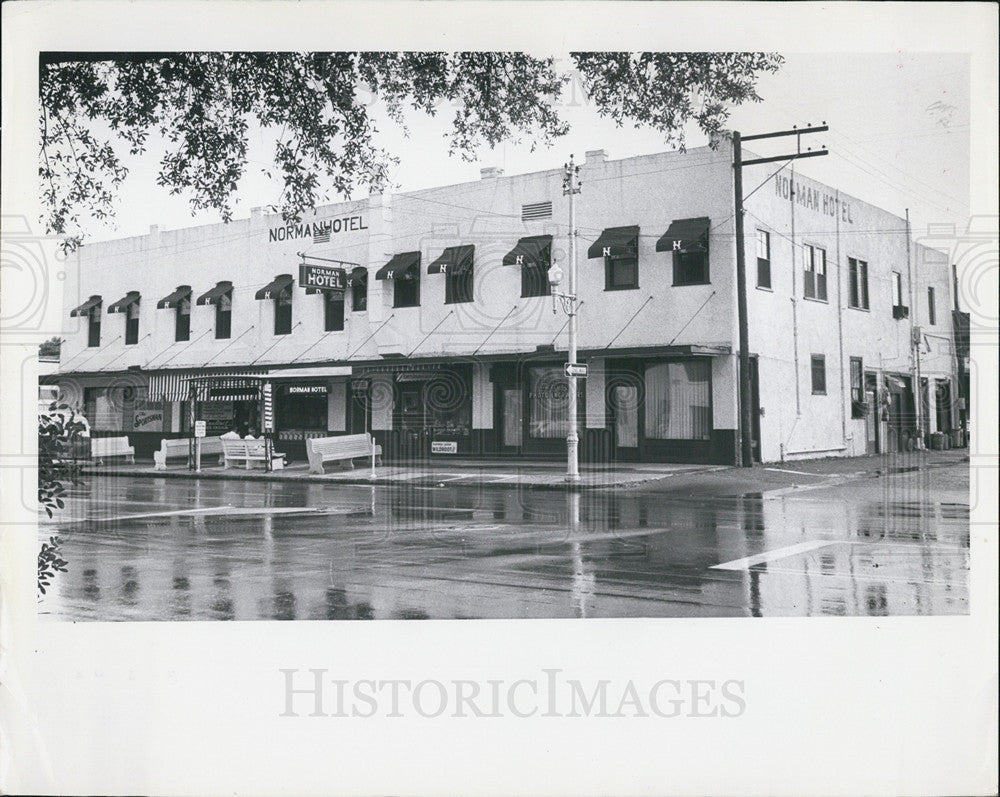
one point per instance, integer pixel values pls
(576, 369)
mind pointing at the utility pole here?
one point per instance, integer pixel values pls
(746, 417)
(571, 187)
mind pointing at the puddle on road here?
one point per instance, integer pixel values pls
(362, 553)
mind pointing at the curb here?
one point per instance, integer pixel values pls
(384, 481)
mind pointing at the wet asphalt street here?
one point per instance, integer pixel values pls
(177, 549)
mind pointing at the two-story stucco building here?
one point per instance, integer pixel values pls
(426, 317)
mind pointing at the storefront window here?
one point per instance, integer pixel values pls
(302, 407)
(548, 402)
(678, 401)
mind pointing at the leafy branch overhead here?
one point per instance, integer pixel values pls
(96, 109)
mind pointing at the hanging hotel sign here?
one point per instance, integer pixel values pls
(813, 198)
(319, 231)
(324, 278)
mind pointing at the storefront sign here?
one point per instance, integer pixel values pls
(320, 231)
(325, 278)
(145, 419)
(444, 447)
(305, 389)
(813, 198)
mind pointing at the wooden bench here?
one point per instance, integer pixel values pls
(248, 452)
(342, 449)
(102, 448)
(181, 448)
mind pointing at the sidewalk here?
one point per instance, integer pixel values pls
(551, 475)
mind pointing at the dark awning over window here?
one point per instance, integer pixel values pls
(615, 242)
(212, 296)
(87, 306)
(130, 298)
(685, 235)
(274, 288)
(535, 250)
(454, 260)
(360, 274)
(404, 266)
(175, 298)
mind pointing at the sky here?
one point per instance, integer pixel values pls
(899, 138)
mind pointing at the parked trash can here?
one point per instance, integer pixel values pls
(957, 439)
(937, 441)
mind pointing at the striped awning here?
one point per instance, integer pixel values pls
(176, 385)
(172, 300)
(123, 304)
(86, 307)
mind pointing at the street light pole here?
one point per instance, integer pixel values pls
(571, 187)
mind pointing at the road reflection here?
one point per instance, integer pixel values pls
(159, 549)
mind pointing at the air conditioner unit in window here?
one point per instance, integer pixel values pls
(900, 311)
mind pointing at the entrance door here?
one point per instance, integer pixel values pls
(755, 409)
(511, 418)
(412, 420)
(624, 405)
(873, 421)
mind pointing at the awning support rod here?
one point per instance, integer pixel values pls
(630, 321)
(512, 309)
(228, 345)
(692, 318)
(439, 323)
(391, 316)
(297, 324)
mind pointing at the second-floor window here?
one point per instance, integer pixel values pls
(182, 322)
(814, 285)
(406, 289)
(358, 285)
(333, 311)
(94, 326)
(818, 366)
(763, 259)
(224, 316)
(897, 289)
(857, 287)
(132, 324)
(283, 312)
(621, 272)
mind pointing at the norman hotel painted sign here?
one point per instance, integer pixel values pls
(320, 231)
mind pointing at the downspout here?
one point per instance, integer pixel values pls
(795, 315)
(914, 343)
(840, 327)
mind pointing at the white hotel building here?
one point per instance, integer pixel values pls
(444, 341)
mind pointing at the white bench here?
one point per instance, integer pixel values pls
(248, 452)
(342, 449)
(102, 448)
(180, 448)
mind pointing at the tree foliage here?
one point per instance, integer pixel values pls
(58, 439)
(320, 106)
